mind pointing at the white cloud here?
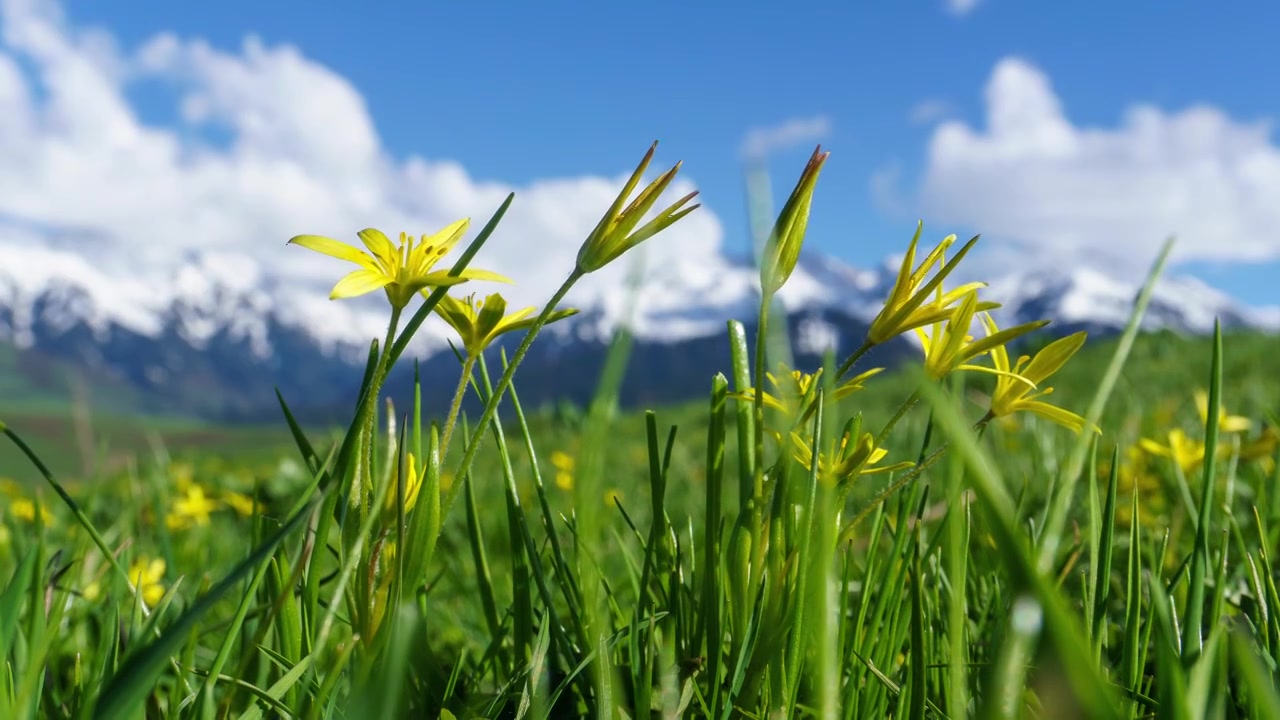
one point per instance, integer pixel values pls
(81, 172)
(961, 8)
(795, 131)
(1107, 197)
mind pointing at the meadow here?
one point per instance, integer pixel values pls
(949, 539)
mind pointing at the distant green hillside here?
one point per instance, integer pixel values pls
(1160, 369)
(34, 382)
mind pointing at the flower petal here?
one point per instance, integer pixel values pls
(442, 277)
(459, 314)
(381, 247)
(333, 248)
(449, 236)
(903, 465)
(359, 283)
(1066, 418)
(1054, 355)
(517, 320)
(490, 316)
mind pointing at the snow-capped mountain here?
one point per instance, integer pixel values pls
(1085, 298)
(214, 337)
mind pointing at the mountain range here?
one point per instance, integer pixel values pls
(208, 343)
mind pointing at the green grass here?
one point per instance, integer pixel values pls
(686, 565)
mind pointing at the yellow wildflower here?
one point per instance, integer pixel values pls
(92, 591)
(479, 323)
(412, 484)
(1185, 452)
(10, 488)
(1134, 472)
(242, 504)
(906, 309)
(795, 391)
(848, 460)
(950, 347)
(147, 576)
(1226, 423)
(613, 235)
(564, 464)
(25, 509)
(192, 508)
(1013, 383)
(400, 271)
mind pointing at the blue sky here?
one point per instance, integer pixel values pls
(518, 93)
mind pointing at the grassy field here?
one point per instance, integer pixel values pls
(941, 541)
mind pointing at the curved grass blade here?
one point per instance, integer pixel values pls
(127, 690)
(1065, 630)
(1192, 626)
(1060, 502)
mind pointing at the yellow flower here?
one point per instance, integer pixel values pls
(1013, 383)
(848, 460)
(389, 554)
(412, 484)
(25, 509)
(949, 348)
(401, 271)
(564, 464)
(1226, 423)
(10, 488)
(92, 591)
(783, 250)
(147, 576)
(796, 391)
(1185, 452)
(613, 235)
(612, 498)
(906, 309)
(479, 323)
(242, 504)
(191, 508)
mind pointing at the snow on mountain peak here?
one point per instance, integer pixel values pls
(213, 294)
(1087, 296)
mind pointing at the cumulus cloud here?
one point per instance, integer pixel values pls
(795, 131)
(1105, 196)
(82, 173)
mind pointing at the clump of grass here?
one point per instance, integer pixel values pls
(786, 558)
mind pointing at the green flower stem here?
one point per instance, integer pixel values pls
(491, 407)
(854, 358)
(456, 405)
(367, 414)
(903, 409)
(759, 536)
(762, 327)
